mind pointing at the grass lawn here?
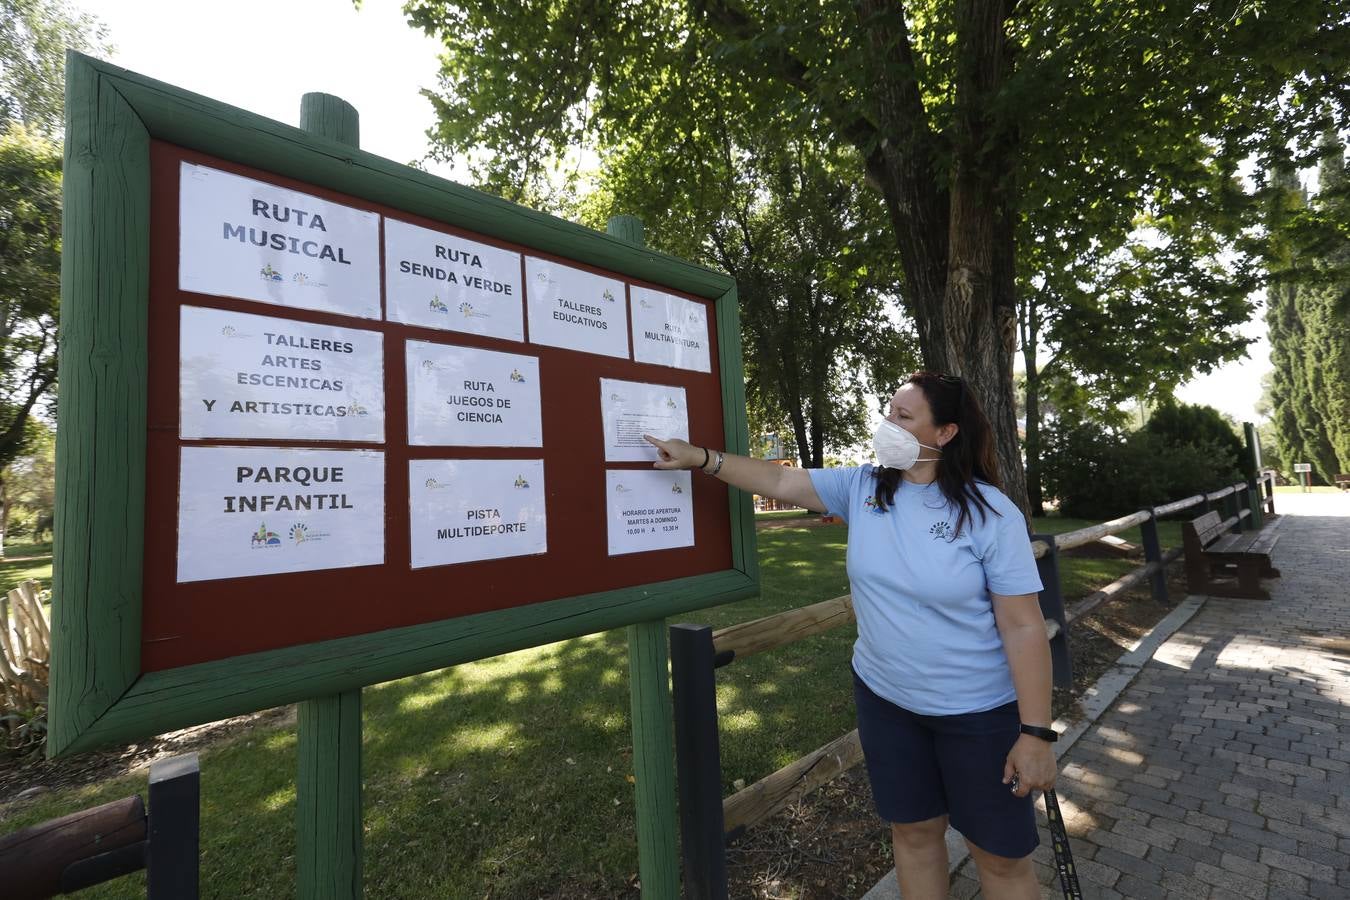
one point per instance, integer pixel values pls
(13, 573)
(783, 514)
(509, 777)
(1315, 489)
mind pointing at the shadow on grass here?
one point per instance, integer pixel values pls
(509, 777)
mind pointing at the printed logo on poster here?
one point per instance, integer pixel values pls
(300, 533)
(263, 539)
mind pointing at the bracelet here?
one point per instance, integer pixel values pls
(705, 459)
(1045, 734)
(717, 468)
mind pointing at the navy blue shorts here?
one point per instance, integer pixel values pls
(922, 767)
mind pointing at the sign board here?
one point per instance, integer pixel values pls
(1302, 467)
(328, 420)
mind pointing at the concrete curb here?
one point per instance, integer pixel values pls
(1096, 700)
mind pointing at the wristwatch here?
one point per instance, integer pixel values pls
(1045, 734)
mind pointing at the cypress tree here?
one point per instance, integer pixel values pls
(1326, 319)
(1282, 320)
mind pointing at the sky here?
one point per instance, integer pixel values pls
(262, 55)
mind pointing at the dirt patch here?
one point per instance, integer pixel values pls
(21, 775)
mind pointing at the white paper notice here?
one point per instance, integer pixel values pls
(244, 376)
(575, 309)
(630, 409)
(439, 280)
(462, 397)
(670, 330)
(238, 237)
(266, 510)
(649, 511)
(467, 509)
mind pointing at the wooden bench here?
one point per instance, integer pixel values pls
(1343, 481)
(1213, 552)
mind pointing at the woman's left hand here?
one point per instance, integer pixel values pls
(1032, 761)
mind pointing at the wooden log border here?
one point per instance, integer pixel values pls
(98, 693)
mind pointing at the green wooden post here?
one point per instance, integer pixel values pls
(653, 738)
(328, 783)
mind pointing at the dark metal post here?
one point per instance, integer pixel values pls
(1052, 609)
(172, 860)
(698, 760)
(1153, 554)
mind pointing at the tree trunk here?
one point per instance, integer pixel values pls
(1031, 335)
(970, 328)
(798, 418)
(1035, 498)
(4, 515)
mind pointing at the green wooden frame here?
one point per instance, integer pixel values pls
(98, 693)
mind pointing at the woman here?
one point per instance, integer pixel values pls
(951, 668)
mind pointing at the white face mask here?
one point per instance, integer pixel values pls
(896, 448)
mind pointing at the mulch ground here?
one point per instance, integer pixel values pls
(26, 777)
(829, 846)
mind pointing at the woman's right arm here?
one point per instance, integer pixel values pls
(786, 483)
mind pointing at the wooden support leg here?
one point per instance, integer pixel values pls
(653, 760)
(1249, 579)
(328, 801)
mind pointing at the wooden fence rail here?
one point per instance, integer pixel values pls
(708, 821)
(91, 846)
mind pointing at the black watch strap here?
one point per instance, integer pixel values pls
(1045, 734)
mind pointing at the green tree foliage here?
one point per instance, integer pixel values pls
(34, 37)
(817, 280)
(1181, 424)
(969, 116)
(1122, 320)
(1309, 317)
(28, 487)
(1096, 471)
(30, 265)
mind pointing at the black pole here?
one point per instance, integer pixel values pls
(1052, 610)
(172, 858)
(698, 762)
(1153, 554)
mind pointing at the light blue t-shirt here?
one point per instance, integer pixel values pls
(927, 639)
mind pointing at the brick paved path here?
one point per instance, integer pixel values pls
(1224, 769)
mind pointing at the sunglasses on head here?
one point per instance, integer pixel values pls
(956, 380)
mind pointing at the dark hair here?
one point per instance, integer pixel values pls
(968, 457)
